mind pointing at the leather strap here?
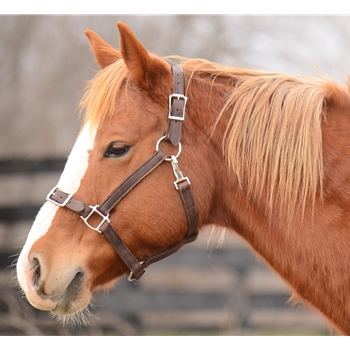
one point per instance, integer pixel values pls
(177, 105)
(192, 230)
(190, 208)
(123, 251)
(64, 199)
(119, 193)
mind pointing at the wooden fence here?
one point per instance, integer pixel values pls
(202, 289)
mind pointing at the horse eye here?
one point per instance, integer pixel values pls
(117, 149)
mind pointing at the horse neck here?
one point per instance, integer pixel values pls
(311, 253)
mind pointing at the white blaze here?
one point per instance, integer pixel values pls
(69, 182)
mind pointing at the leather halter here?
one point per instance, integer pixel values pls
(177, 103)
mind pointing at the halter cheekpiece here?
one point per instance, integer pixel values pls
(177, 104)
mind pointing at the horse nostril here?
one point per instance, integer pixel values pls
(76, 283)
(36, 274)
(78, 277)
(79, 274)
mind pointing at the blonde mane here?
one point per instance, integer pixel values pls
(273, 140)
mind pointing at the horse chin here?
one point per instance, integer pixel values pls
(73, 311)
(71, 305)
(78, 319)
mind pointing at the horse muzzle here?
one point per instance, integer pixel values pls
(60, 294)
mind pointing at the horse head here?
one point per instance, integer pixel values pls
(66, 257)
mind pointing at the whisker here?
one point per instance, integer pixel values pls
(80, 319)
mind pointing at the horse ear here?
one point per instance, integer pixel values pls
(148, 71)
(104, 53)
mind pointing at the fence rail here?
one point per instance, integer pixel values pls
(31, 166)
(27, 167)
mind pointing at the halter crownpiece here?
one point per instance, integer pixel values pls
(177, 103)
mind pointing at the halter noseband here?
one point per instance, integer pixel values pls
(177, 103)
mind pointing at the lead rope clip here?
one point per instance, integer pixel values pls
(177, 172)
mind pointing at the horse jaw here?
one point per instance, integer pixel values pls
(69, 182)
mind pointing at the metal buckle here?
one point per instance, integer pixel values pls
(94, 210)
(179, 97)
(52, 192)
(181, 180)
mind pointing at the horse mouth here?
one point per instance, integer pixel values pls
(75, 298)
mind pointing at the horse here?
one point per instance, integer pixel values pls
(169, 145)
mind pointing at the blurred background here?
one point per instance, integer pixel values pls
(213, 286)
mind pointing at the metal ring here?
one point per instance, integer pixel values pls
(131, 277)
(168, 159)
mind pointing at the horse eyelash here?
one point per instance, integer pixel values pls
(109, 153)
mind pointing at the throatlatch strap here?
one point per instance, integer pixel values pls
(191, 211)
(192, 230)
